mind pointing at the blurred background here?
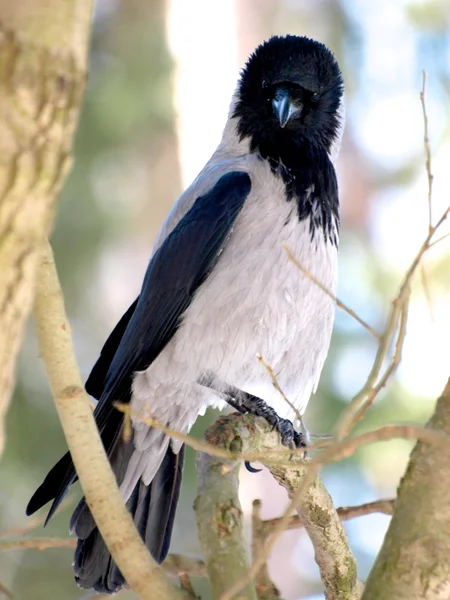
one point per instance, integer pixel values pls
(161, 78)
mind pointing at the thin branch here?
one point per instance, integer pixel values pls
(368, 393)
(346, 448)
(4, 590)
(194, 443)
(207, 448)
(390, 370)
(346, 513)
(33, 523)
(175, 564)
(186, 585)
(398, 313)
(97, 480)
(426, 244)
(280, 456)
(326, 291)
(37, 543)
(426, 142)
(277, 386)
(439, 240)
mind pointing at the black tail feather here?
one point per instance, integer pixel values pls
(153, 509)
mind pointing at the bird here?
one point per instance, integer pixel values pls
(219, 289)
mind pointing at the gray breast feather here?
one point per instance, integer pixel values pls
(254, 301)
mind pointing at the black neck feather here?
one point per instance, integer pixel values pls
(310, 181)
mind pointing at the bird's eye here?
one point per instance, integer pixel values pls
(264, 84)
(315, 97)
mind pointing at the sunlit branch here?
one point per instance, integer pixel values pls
(426, 142)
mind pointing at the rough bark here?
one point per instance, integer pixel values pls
(43, 50)
(315, 507)
(414, 561)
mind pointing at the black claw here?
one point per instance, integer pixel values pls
(251, 469)
(298, 440)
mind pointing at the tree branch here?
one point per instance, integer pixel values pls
(345, 513)
(336, 562)
(97, 480)
(175, 564)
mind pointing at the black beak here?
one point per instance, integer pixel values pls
(283, 107)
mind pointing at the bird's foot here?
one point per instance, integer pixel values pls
(289, 436)
(248, 404)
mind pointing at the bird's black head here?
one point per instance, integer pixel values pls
(288, 97)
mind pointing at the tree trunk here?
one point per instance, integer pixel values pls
(43, 52)
(414, 561)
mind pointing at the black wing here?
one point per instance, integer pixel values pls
(175, 272)
(96, 381)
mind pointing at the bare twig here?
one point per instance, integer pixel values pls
(439, 240)
(186, 585)
(4, 590)
(426, 244)
(277, 386)
(346, 513)
(398, 314)
(281, 456)
(194, 443)
(37, 543)
(367, 395)
(345, 448)
(326, 291)
(372, 393)
(33, 523)
(175, 564)
(97, 480)
(426, 142)
(276, 454)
